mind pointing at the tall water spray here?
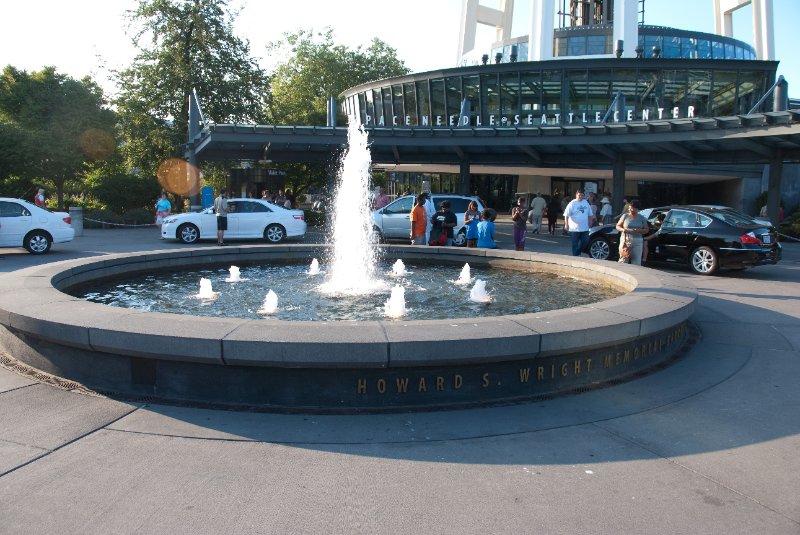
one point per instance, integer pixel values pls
(352, 263)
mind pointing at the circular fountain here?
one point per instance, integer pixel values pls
(330, 366)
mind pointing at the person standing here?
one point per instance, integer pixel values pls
(518, 217)
(553, 209)
(606, 212)
(381, 199)
(578, 219)
(163, 208)
(632, 227)
(429, 210)
(39, 200)
(221, 209)
(419, 222)
(471, 219)
(486, 230)
(538, 207)
(443, 222)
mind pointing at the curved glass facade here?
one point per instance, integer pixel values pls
(562, 92)
(671, 43)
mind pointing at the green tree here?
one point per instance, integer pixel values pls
(315, 70)
(183, 45)
(51, 127)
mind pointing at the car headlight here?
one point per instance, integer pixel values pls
(170, 219)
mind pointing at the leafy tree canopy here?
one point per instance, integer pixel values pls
(184, 45)
(317, 69)
(51, 127)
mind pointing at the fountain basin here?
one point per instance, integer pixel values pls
(341, 366)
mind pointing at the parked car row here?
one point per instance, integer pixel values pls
(704, 237)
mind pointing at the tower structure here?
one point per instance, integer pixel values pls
(763, 26)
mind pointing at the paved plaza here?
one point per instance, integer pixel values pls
(707, 445)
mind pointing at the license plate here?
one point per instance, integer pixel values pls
(766, 238)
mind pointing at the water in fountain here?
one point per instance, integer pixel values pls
(235, 275)
(395, 307)
(314, 268)
(270, 305)
(478, 293)
(206, 292)
(353, 257)
(464, 277)
(399, 269)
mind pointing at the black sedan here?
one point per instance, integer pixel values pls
(704, 238)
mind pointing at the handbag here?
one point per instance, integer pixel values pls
(625, 251)
(441, 240)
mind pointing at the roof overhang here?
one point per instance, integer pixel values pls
(742, 139)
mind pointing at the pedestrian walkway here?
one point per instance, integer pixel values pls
(707, 445)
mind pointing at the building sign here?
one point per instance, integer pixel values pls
(531, 120)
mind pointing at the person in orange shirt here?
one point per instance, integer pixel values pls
(419, 222)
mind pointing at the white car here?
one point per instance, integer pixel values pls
(392, 222)
(247, 219)
(23, 224)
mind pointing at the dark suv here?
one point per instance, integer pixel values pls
(392, 221)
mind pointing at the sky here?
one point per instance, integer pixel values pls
(90, 37)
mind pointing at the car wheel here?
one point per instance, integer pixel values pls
(188, 233)
(703, 260)
(38, 242)
(274, 233)
(460, 239)
(600, 249)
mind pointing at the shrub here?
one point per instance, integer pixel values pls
(101, 219)
(139, 216)
(315, 219)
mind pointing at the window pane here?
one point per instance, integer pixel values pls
(717, 50)
(410, 104)
(730, 53)
(387, 106)
(509, 97)
(703, 49)
(424, 101)
(751, 88)
(530, 93)
(672, 47)
(689, 48)
(724, 93)
(598, 94)
(576, 46)
(596, 44)
(397, 104)
(438, 110)
(575, 90)
(453, 95)
(378, 101)
(472, 89)
(490, 100)
(699, 92)
(551, 92)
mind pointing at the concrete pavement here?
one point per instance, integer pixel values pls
(707, 445)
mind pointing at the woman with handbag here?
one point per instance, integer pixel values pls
(632, 228)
